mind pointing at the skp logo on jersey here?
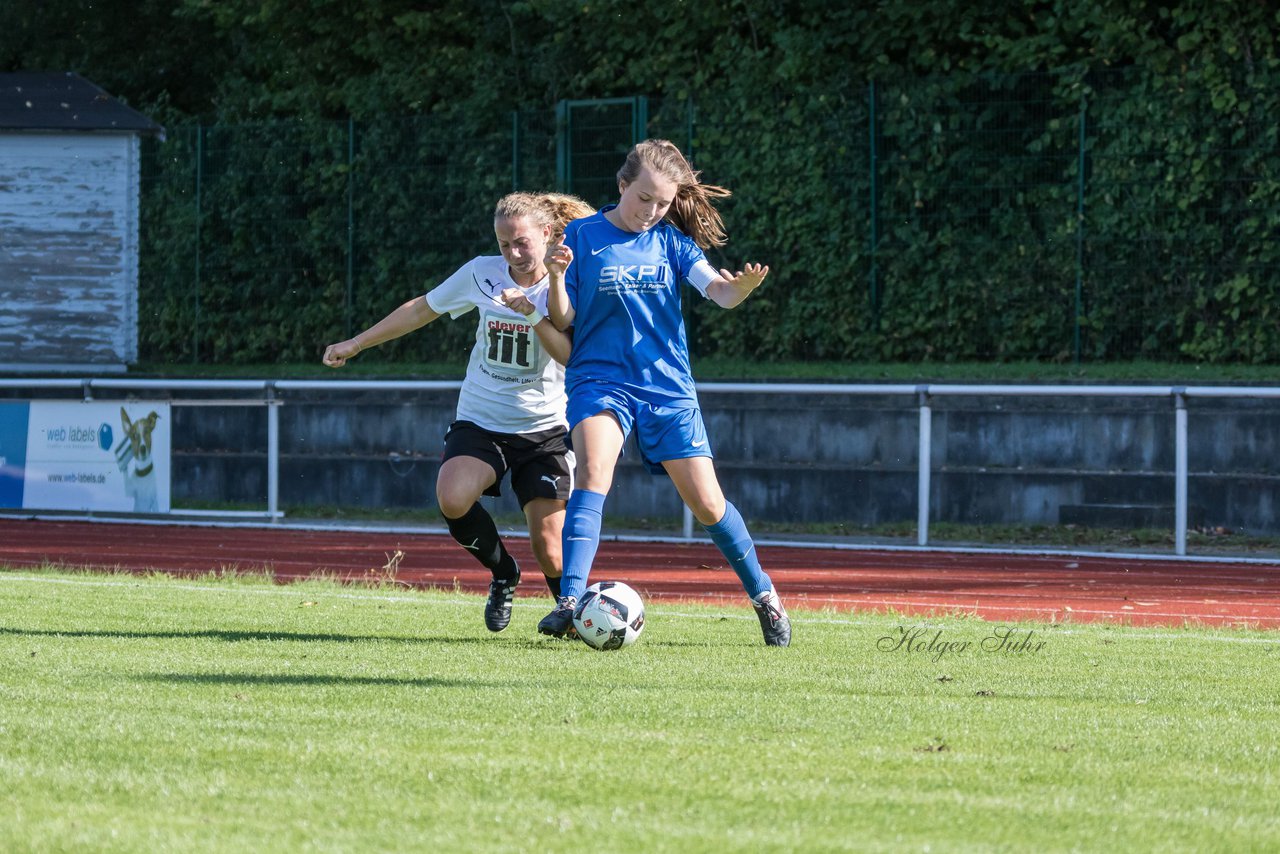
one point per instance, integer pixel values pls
(632, 273)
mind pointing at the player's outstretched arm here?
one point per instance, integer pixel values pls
(412, 315)
(731, 289)
(558, 343)
(559, 257)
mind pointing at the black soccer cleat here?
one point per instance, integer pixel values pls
(560, 621)
(774, 621)
(497, 609)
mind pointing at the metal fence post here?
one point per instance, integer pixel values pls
(1180, 471)
(1079, 235)
(875, 238)
(564, 126)
(689, 128)
(195, 327)
(639, 118)
(924, 457)
(515, 150)
(273, 454)
(349, 309)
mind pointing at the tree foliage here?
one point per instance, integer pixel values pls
(1034, 168)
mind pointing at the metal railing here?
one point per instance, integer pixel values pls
(266, 392)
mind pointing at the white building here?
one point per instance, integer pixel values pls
(69, 196)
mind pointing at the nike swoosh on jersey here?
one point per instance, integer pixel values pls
(598, 251)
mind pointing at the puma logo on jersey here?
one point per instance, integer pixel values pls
(631, 273)
(489, 289)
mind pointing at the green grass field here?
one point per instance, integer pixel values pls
(155, 714)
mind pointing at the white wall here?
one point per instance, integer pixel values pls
(68, 251)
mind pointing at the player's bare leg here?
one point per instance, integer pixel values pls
(546, 523)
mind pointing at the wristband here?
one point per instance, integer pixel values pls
(534, 317)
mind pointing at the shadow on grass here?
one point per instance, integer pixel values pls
(309, 679)
(717, 644)
(231, 636)
(510, 641)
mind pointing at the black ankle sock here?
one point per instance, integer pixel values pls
(553, 584)
(477, 533)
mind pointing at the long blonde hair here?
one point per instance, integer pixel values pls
(553, 210)
(692, 211)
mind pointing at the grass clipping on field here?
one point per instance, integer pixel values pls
(233, 714)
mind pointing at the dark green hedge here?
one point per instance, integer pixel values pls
(928, 181)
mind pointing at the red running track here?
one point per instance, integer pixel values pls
(1003, 587)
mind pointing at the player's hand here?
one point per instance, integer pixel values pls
(748, 279)
(336, 355)
(514, 299)
(558, 259)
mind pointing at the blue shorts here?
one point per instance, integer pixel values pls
(662, 432)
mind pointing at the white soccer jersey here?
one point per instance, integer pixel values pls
(513, 385)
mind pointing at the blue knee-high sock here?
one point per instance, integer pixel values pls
(580, 539)
(732, 538)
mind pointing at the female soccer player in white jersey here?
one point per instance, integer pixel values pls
(616, 280)
(511, 409)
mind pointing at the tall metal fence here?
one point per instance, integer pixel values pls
(1074, 216)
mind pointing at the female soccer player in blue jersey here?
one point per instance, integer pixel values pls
(616, 280)
(511, 410)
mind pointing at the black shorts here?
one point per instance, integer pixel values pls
(540, 464)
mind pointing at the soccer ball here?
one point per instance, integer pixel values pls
(610, 615)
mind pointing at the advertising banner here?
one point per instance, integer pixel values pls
(13, 452)
(93, 456)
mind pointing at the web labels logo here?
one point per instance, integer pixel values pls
(97, 456)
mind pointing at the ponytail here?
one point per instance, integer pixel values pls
(564, 209)
(549, 210)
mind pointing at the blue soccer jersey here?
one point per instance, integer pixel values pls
(625, 292)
